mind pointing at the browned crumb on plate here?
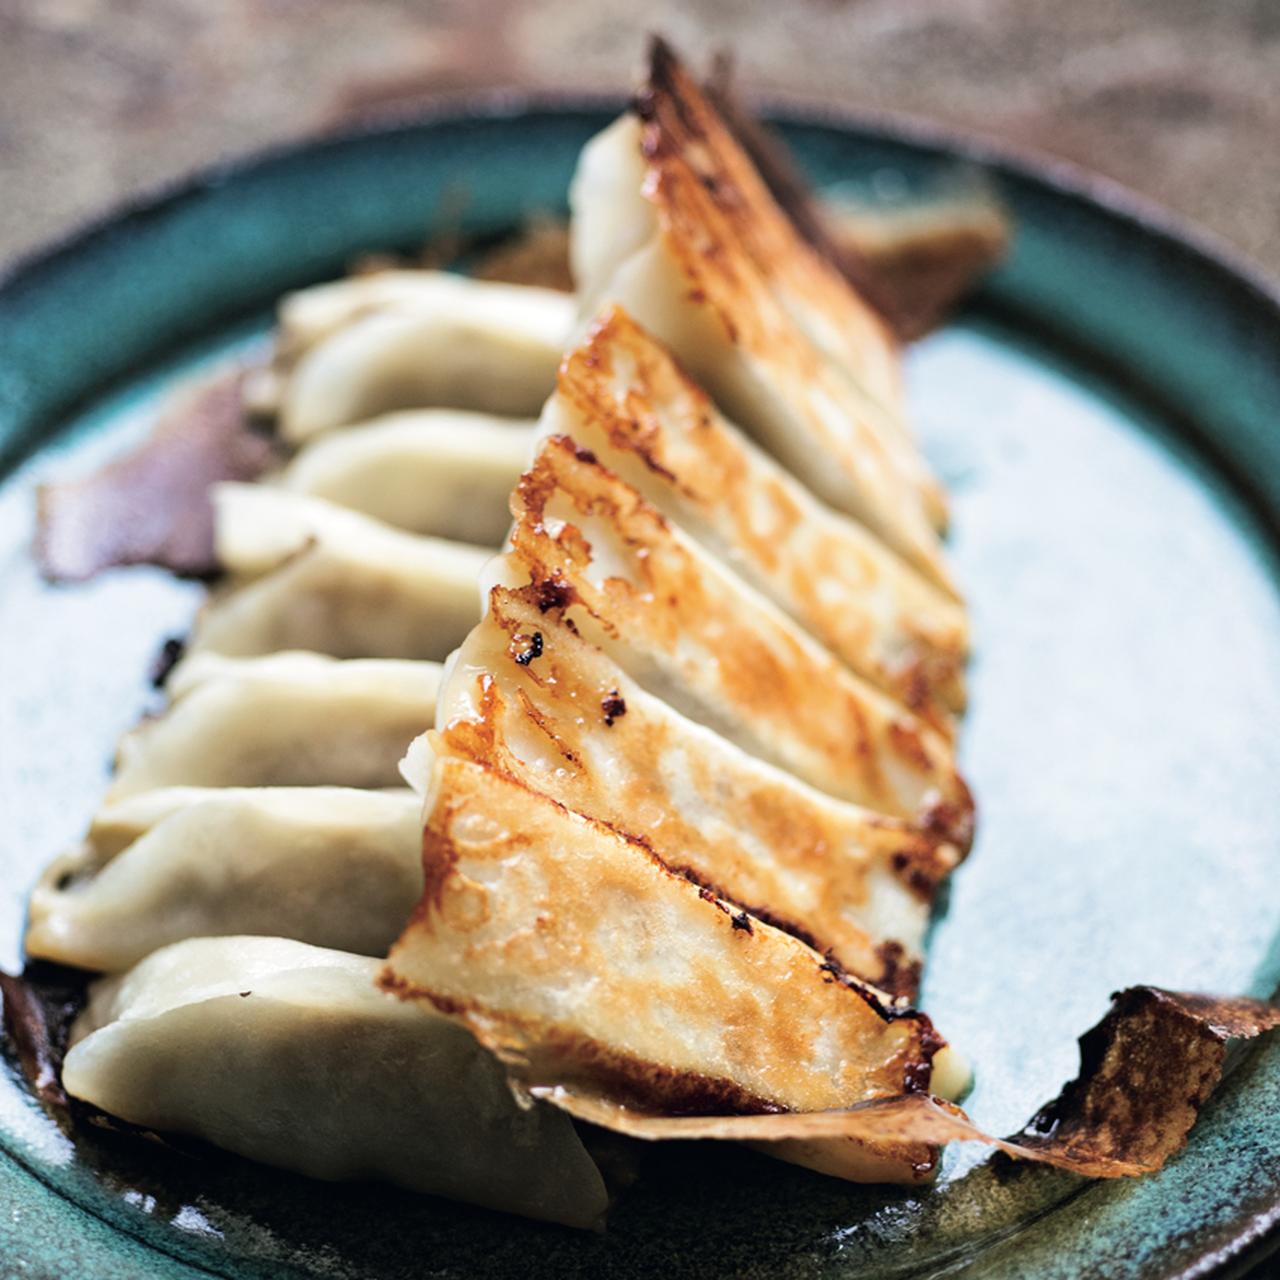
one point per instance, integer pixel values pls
(538, 254)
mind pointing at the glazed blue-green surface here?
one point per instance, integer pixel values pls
(1105, 418)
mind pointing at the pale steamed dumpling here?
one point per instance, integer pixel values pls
(370, 346)
(289, 719)
(442, 472)
(306, 574)
(332, 866)
(289, 1054)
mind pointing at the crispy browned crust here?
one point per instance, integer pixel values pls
(152, 505)
(872, 469)
(711, 197)
(804, 864)
(683, 125)
(792, 699)
(1145, 1071)
(627, 395)
(924, 260)
(577, 955)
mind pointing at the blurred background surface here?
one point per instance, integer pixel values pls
(1179, 99)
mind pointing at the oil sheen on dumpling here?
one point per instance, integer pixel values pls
(442, 472)
(405, 340)
(622, 395)
(694, 633)
(583, 959)
(572, 725)
(331, 866)
(290, 1055)
(288, 719)
(306, 574)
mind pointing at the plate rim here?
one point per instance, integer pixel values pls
(1064, 177)
(1254, 1238)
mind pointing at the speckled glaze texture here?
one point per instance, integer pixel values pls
(1105, 418)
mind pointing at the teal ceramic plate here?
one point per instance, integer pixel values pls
(1105, 415)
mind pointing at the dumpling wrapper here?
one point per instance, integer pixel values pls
(679, 116)
(330, 866)
(443, 472)
(572, 725)
(658, 245)
(412, 340)
(692, 632)
(289, 719)
(1146, 1069)
(308, 316)
(582, 960)
(306, 574)
(633, 999)
(622, 395)
(290, 1055)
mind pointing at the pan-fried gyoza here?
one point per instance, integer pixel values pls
(572, 725)
(579, 957)
(656, 238)
(688, 779)
(692, 631)
(622, 395)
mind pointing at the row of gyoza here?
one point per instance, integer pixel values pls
(692, 783)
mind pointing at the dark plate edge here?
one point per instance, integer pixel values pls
(1064, 177)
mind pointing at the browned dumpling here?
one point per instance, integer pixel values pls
(623, 396)
(582, 959)
(689, 630)
(661, 216)
(572, 725)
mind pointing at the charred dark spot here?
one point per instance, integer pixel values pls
(914, 871)
(169, 656)
(532, 650)
(763, 915)
(585, 455)
(900, 975)
(953, 819)
(613, 706)
(743, 921)
(553, 593)
(245, 993)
